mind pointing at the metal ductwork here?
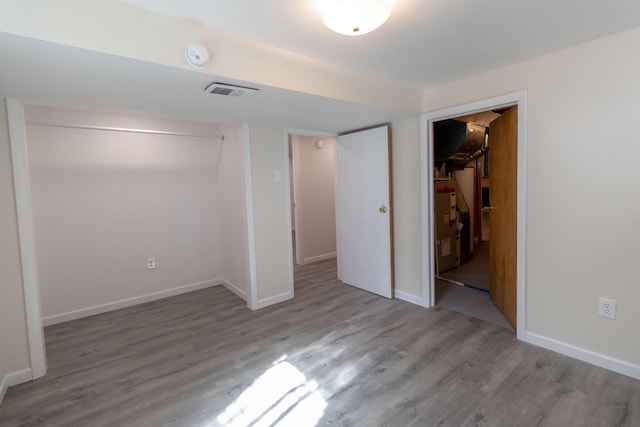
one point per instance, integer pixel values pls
(456, 143)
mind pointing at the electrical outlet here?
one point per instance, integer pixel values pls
(151, 263)
(607, 308)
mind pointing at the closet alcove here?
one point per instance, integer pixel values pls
(111, 190)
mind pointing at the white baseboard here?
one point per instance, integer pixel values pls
(103, 308)
(275, 299)
(233, 288)
(588, 356)
(413, 299)
(319, 258)
(14, 378)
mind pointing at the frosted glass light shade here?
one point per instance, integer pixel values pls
(356, 17)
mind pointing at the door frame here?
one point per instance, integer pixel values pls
(290, 133)
(296, 172)
(427, 197)
(26, 235)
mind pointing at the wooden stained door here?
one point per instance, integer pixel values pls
(503, 151)
(363, 210)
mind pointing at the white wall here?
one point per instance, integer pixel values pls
(272, 235)
(14, 347)
(106, 201)
(582, 209)
(405, 158)
(316, 198)
(232, 213)
(159, 39)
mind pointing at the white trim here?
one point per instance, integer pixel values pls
(405, 296)
(126, 130)
(426, 184)
(295, 159)
(601, 360)
(14, 378)
(302, 132)
(426, 191)
(521, 202)
(252, 294)
(26, 233)
(128, 302)
(233, 288)
(274, 299)
(287, 198)
(319, 258)
(336, 188)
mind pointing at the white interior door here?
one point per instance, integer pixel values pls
(363, 211)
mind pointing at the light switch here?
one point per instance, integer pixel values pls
(277, 176)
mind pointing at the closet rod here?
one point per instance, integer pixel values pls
(114, 129)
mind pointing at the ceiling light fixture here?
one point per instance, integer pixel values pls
(356, 17)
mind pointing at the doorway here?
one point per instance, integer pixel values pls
(362, 200)
(312, 187)
(467, 280)
(428, 196)
(312, 161)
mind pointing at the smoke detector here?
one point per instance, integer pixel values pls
(196, 55)
(230, 90)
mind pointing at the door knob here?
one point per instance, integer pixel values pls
(383, 209)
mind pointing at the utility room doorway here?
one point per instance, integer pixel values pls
(474, 164)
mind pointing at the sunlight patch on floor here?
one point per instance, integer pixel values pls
(281, 396)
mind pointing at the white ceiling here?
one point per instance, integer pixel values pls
(424, 43)
(44, 73)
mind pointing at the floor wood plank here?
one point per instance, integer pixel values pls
(192, 359)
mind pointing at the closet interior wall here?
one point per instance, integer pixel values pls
(107, 198)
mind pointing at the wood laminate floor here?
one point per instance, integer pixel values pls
(333, 356)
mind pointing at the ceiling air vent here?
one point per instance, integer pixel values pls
(230, 90)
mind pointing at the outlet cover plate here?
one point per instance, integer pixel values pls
(607, 308)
